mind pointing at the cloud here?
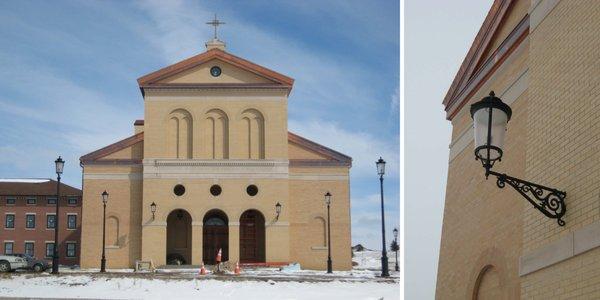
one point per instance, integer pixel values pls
(364, 148)
(322, 80)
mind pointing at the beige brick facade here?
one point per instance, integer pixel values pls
(495, 245)
(199, 131)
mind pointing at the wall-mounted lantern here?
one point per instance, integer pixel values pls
(277, 210)
(153, 209)
(490, 117)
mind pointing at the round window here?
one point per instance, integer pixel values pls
(179, 190)
(252, 190)
(215, 71)
(215, 190)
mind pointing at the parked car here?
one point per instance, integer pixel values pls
(37, 265)
(10, 263)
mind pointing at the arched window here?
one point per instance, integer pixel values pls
(218, 134)
(254, 134)
(319, 227)
(179, 134)
(112, 231)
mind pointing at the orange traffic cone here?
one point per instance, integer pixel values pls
(237, 268)
(219, 256)
(202, 269)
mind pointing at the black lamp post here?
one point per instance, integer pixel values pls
(384, 259)
(277, 210)
(396, 246)
(59, 164)
(103, 260)
(329, 264)
(490, 117)
(153, 209)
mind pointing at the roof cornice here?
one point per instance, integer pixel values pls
(472, 64)
(186, 64)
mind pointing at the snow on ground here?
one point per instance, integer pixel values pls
(123, 286)
(363, 282)
(371, 260)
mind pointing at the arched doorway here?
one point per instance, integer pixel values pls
(252, 237)
(215, 236)
(179, 237)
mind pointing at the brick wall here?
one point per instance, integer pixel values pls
(562, 149)
(40, 234)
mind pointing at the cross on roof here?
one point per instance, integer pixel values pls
(215, 23)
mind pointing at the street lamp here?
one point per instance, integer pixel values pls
(277, 210)
(153, 209)
(384, 259)
(329, 265)
(490, 117)
(59, 164)
(396, 247)
(103, 260)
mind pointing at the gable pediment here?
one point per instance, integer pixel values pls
(236, 72)
(304, 152)
(231, 74)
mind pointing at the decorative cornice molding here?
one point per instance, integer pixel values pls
(318, 163)
(481, 75)
(214, 163)
(205, 169)
(113, 176)
(480, 43)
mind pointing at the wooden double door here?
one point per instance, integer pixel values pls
(215, 236)
(252, 237)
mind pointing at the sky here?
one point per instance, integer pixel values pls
(69, 69)
(436, 42)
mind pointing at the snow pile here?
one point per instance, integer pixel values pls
(86, 286)
(371, 260)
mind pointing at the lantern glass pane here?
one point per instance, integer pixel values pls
(480, 123)
(59, 166)
(380, 168)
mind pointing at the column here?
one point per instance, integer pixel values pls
(234, 242)
(196, 243)
(277, 241)
(154, 239)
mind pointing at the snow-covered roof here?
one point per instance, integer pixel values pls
(25, 180)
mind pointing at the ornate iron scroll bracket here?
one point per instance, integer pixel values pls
(551, 202)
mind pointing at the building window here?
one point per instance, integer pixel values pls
(29, 221)
(72, 200)
(215, 190)
(31, 200)
(10, 200)
(50, 221)
(8, 248)
(51, 200)
(252, 190)
(71, 247)
(49, 249)
(10, 221)
(71, 221)
(179, 190)
(29, 248)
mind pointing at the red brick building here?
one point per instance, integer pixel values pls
(28, 213)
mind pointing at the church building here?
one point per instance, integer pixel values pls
(212, 166)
